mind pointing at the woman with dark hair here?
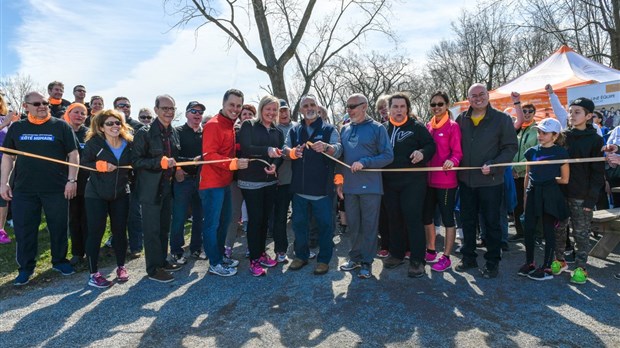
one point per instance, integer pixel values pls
(442, 186)
(260, 139)
(108, 149)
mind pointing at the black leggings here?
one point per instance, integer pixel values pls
(260, 204)
(97, 211)
(529, 232)
(445, 198)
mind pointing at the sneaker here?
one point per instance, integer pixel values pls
(443, 264)
(321, 268)
(98, 281)
(489, 272)
(431, 257)
(4, 237)
(541, 274)
(222, 270)
(178, 259)
(281, 258)
(162, 276)
(527, 269)
(230, 262)
(464, 265)
(416, 269)
(172, 267)
(198, 255)
(256, 269)
(580, 276)
(364, 272)
(312, 255)
(22, 278)
(228, 251)
(350, 265)
(266, 261)
(297, 264)
(558, 266)
(407, 255)
(392, 262)
(383, 253)
(569, 256)
(516, 238)
(481, 244)
(121, 274)
(64, 269)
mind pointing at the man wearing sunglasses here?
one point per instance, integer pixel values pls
(155, 150)
(58, 105)
(185, 187)
(145, 116)
(123, 105)
(40, 184)
(488, 137)
(365, 144)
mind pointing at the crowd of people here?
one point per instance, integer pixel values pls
(388, 185)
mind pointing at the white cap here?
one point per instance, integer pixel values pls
(549, 125)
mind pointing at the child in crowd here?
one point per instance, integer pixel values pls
(543, 197)
(582, 191)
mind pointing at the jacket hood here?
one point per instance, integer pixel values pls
(585, 132)
(366, 120)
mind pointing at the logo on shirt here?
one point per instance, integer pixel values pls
(36, 137)
(400, 136)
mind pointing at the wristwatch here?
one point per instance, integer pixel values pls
(72, 180)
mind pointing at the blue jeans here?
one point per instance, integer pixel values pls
(185, 193)
(134, 223)
(322, 212)
(216, 208)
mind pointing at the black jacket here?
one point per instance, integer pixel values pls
(586, 179)
(406, 139)
(107, 186)
(134, 124)
(493, 141)
(255, 139)
(148, 150)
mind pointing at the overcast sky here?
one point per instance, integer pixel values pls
(122, 47)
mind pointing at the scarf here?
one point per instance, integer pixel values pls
(524, 125)
(436, 124)
(54, 101)
(398, 124)
(38, 121)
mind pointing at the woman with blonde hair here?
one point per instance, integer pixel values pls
(108, 149)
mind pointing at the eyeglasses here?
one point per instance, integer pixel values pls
(123, 105)
(353, 106)
(194, 111)
(37, 104)
(437, 105)
(145, 117)
(112, 123)
(167, 108)
(528, 111)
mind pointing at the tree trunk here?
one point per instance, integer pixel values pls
(614, 35)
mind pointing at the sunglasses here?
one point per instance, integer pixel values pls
(123, 105)
(353, 106)
(112, 123)
(37, 104)
(80, 90)
(437, 104)
(194, 111)
(145, 117)
(528, 111)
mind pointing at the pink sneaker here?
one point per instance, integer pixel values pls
(255, 268)
(267, 261)
(383, 253)
(431, 257)
(4, 237)
(407, 255)
(121, 274)
(442, 265)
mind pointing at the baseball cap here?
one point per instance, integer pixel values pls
(549, 125)
(584, 103)
(283, 104)
(193, 104)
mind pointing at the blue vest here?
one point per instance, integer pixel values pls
(313, 174)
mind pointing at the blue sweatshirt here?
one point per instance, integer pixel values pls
(368, 143)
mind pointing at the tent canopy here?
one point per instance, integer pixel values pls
(564, 68)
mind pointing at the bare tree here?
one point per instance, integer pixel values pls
(284, 31)
(16, 87)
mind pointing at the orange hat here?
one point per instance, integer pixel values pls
(71, 107)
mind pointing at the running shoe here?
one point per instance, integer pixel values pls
(443, 264)
(527, 269)
(383, 253)
(256, 269)
(121, 274)
(4, 237)
(541, 274)
(98, 281)
(222, 270)
(266, 261)
(580, 276)
(558, 266)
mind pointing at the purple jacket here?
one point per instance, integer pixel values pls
(448, 142)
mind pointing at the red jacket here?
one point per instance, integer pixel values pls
(218, 142)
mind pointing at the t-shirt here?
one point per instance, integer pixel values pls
(118, 151)
(547, 172)
(54, 139)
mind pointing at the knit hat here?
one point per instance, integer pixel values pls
(584, 103)
(71, 107)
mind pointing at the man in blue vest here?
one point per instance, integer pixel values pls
(312, 182)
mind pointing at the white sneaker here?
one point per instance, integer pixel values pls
(178, 259)
(222, 270)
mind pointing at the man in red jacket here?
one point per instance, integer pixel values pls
(218, 143)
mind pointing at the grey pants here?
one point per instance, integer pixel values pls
(363, 221)
(237, 200)
(580, 223)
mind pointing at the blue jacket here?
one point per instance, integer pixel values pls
(369, 144)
